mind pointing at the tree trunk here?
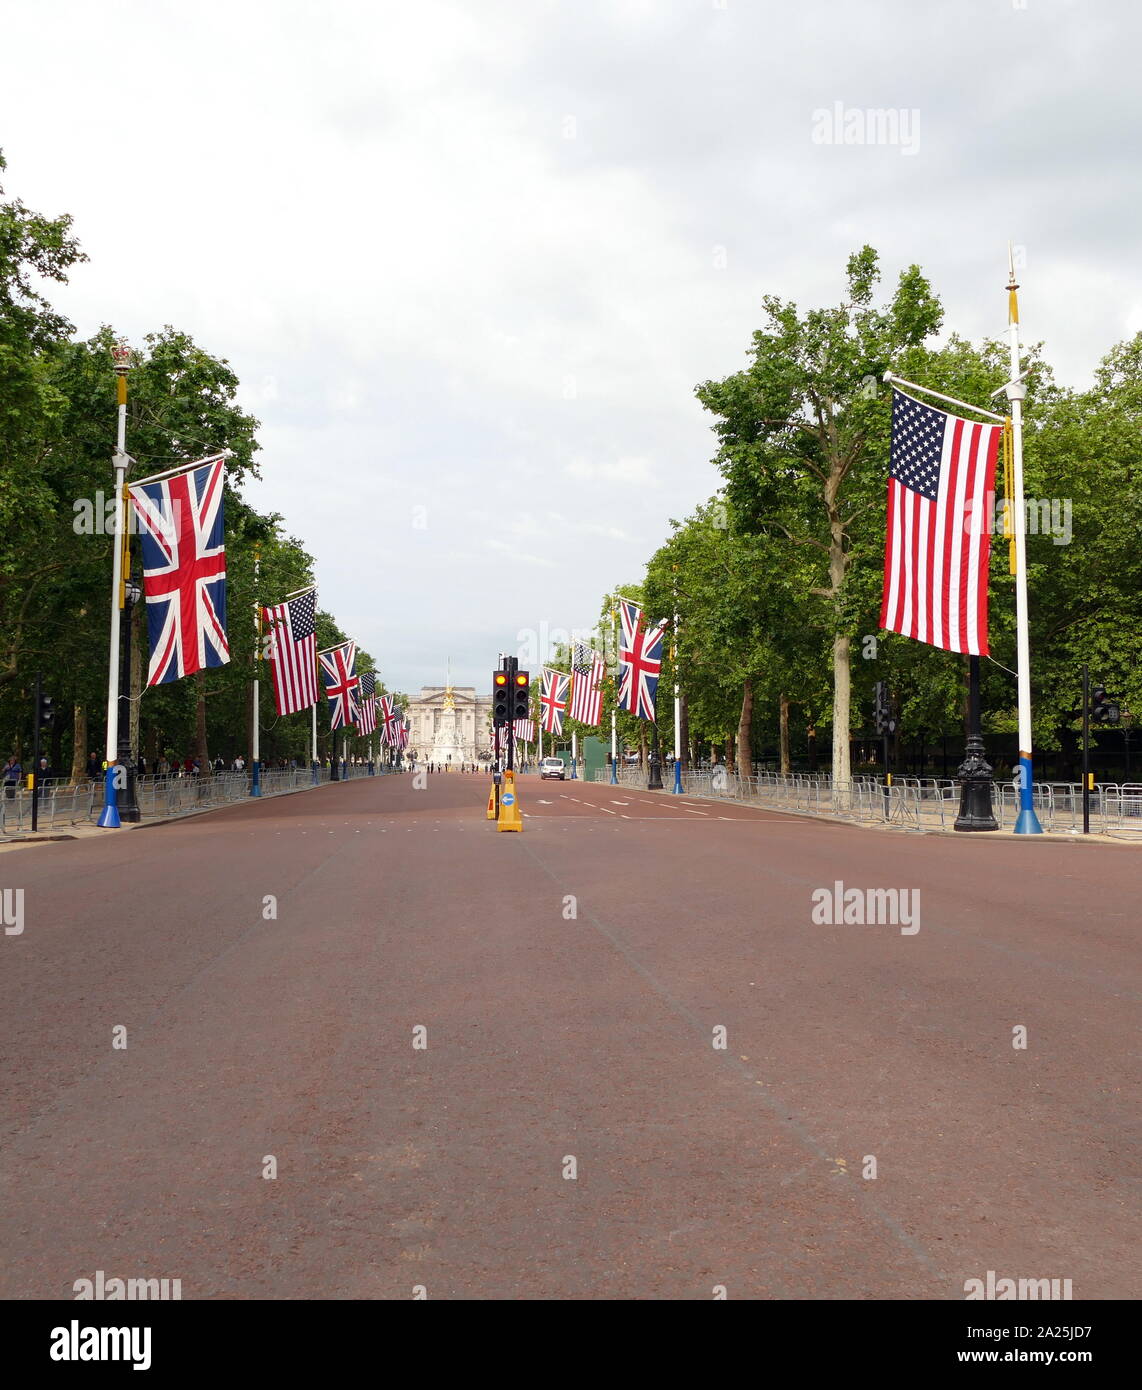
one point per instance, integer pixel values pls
(783, 719)
(842, 697)
(200, 750)
(729, 754)
(745, 730)
(78, 743)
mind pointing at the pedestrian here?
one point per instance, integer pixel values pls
(219, 764)
(196, 768)
(13, 772)
(44, 770)
(92, 770)
(141, 767)
(239, 763)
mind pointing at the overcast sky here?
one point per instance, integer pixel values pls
(469, 260)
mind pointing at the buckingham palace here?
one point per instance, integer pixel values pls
(449, 723)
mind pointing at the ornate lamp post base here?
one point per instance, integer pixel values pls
(975, 793)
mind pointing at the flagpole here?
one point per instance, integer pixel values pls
(615, 701)
(255, 763)
(109, 817)
(313, 741)
(677, 701)
(1027, 822)
(574, 753)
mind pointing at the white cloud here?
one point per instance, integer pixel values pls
(441, 294)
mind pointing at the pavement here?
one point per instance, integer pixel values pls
(372, 1045)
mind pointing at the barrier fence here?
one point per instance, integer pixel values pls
(918, 803)
(63, 804)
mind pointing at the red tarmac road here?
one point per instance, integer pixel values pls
(571, 981)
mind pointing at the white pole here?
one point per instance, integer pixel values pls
(615, 692)
(255, 760)
(677, 704)
(1027, 822)
(894, 380)
(119, 463)
(109, 818)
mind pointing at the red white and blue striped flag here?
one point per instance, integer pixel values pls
(293, 652)
(940, 483)
(367, 721)
(524, 730)
(184, 569)
(586, 688)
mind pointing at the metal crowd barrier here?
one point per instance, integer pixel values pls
(62, 803)
(917, 803)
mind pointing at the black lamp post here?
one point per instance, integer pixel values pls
(128, 803)
(654, 784)
(975, 771)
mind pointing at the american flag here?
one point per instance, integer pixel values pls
(338, 666)
(553, 700)
(293, 652)
(941, 474)
(524, 730)
(586, 688)
(184, 570)
(367, 722)
(640, 661)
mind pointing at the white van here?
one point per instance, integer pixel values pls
(553, 767)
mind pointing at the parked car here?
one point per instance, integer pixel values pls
(553, 767)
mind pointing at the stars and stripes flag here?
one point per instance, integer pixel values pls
(184, 569)
(367, 722)
(586, 687)
(553, 700)
(524, 730)
(941, 478)
(338, 666)
(291, 628)
(640, 661)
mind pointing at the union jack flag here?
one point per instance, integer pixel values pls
(402, 732)
(553, 700)
(586, 688)
(341, 684)
(368, 715)
(390, 718)
(640, 661)
(184, 570)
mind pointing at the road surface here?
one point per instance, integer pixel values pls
(573, 1127)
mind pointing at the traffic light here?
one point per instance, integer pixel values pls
(501, 698)
(45, 712)
(882, 710)
(521, 695)
(1103, 710)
